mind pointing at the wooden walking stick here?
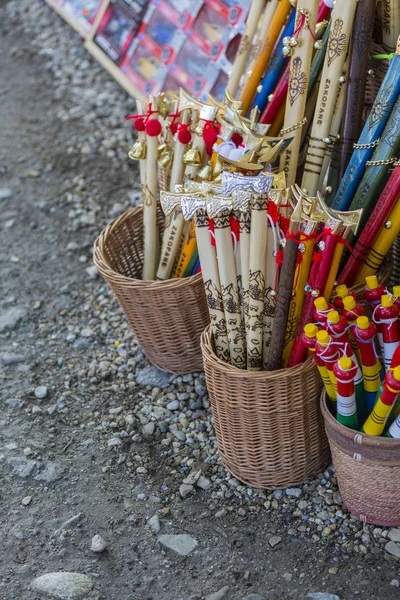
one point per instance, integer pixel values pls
(266, 19)
(370, 135)
(390, 23)
(302, 43)
(357, 79)
(257, 278)
(219, 208)
(150, 243)
(175, 222)
(276, 25)
(194, 207)
(239, 63)
(341, 27)
(284, 291)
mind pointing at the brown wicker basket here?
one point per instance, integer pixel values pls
(368, 471)
(269, 427)
(167, 317)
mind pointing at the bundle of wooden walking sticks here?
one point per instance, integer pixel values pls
(287, 187)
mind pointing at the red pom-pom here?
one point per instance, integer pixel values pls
(184, 136)
(209, 133)
(153, 127)
(174, 128)
(236, 139)
(209, 149)
(273, 211)
(139, 124)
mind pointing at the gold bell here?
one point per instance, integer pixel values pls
(192, 157)
(205, 173)
(138, 150)
(162, 148)
(217, 167)
(165, 160)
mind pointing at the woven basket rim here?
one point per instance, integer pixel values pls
(206, 342)
(374, 441)
(105, 269)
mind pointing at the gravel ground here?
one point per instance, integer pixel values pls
(109, 468)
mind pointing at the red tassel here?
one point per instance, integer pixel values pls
(279, 258)
(299, 258)
(316, 257)
(284, 223)
(174, 128)
(273, 211)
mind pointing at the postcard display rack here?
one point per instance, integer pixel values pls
(150, 46)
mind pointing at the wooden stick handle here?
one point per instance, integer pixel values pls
(239, 63)
(298, 83)
(338, 43)
(257, 276)
(174, 225)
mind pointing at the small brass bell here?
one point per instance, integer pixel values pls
(205, 173)
(217, 167)
(192, 157)
(138, 150)
(165, 160)
(162, 148)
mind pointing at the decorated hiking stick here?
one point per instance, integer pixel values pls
(302, 45)
(342, 22)
(386, 316)
(382, 245)
(318, 273)
(239, 64)
(357, 78)
(276, 65)
(377, 169)
(331, 159)
(284, 291)
(390, 24)
(257, 276)
(345, 371)
(274, 259)
(262, 32)
(370, 135)
(150, 237)
(306, 246)
(376, 422)
(364, 333)
(329, 354)
(219, 208)
(336, 326)
(194, 207)
(373, 227)
(139, 149)
(351, 221)
(276, 25)
(175, 223)
(309, 339)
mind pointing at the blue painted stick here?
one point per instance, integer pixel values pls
(373, 128)
(275, 67)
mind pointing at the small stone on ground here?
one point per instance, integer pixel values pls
(183, 544)
(63, 585)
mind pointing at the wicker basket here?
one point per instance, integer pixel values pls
(269, 427)
(368, 471)
(167, 317)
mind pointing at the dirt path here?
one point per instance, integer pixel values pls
(53, 450)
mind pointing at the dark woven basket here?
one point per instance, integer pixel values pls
(368, 471)
(167, 317)
(268, 424)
